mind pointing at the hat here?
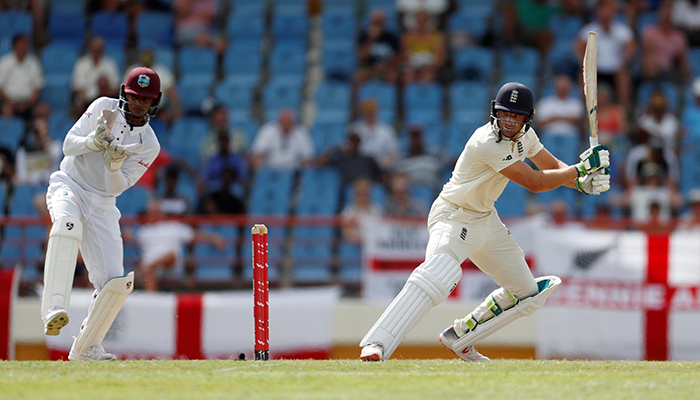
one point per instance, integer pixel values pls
(143, 82)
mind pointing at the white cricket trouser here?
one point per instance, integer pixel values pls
(101, 245)
(484, 239)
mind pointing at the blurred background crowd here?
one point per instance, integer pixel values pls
(341, 108)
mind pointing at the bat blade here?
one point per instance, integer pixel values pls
(590, 85)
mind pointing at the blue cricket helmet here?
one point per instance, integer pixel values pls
(516, 98)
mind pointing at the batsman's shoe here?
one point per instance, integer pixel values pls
(469, 354)
(372, 352)
(55, 319)
(94, 353)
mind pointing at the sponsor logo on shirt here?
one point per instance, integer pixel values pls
(144, 164)
(508, 158)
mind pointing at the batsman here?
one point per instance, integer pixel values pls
(107, 150)
(463, 222)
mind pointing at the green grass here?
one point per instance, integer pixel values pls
(350, 379)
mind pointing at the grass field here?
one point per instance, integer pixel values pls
(350, 379)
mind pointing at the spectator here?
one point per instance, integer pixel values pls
(400, 202)
(616, 50)
(378, 139)
(686, 16)
(170, 108)
(350, 162)
(38, 156)
(559, 216)
(612, 120)
(652, 184)
(219, 123)
(224, 200)
(170, 201)
(662, 126)
(603, 218)
(664, 48)
(561, 113)
(657, 222)
(214, 166)
(161, 241)
(195, 22)
(423, 51)
(21, 79)
(87, 72)
(361, 209)
(691, 220)
(436, 9)
(377, 51)
(282, 144)
(421, 166)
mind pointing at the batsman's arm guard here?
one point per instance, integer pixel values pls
(103, 312)
(501, 317)
(59, 268)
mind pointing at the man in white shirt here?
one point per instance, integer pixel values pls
(616, 49)
(463, 222)
(378, 139)
(87, 72)
(21, 79)
(107, 150)
(560, 114)
(282, 144)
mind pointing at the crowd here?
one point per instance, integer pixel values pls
(648, 99)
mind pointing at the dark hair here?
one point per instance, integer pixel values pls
(16, 38)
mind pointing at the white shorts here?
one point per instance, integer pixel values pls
(101, 245)
(485, 240)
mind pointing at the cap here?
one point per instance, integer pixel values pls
(143, 82)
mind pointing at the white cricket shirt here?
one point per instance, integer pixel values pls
(87, 168)
(476, 182)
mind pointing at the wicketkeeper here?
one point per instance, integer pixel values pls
(107, 150)
(463, 222)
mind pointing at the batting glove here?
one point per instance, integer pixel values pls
(595, 183)
(112, 163)
(115, 150)
(101, 137)
(592, 159)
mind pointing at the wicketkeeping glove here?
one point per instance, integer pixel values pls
(115, 154)
(593, 159)
(595, 183)
(101, 137)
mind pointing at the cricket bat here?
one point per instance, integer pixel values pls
(590, 85)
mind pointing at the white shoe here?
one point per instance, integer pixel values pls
(55, 319)
(469, 354)
(94, 353)
(372, 352)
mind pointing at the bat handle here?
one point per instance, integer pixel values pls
(593, 141)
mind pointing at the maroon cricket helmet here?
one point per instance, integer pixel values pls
(144, 82)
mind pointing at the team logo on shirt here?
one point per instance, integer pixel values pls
(144, 80)
(513, 96)
(520, 148)
(463, 235)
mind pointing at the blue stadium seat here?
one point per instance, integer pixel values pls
(11, 131)
(3, 197)
(245, 27)
(474, 64)
(23, 199)
(117, 53)
(112, 26)
(287, 58)
(645, 89)
(339, 60)
(58, 59)
(319, 192)
(562, 193)
(378, 194)
(694, 59)
(194, 91)
(333, 96)
(527, 79)
(133, 200)
(384, 94)
(290, 27)
(513, 201)
(56, 92)
(475, 24)
(338, 24)
(243, 59)
(194, 60)
(349, 6)
(186, 134)
(271, 192)
(154, 28)
(565, 148)
(521, 60)
(15, 22)
(68, 5)
(289, 7)
(281, 93)
(469, 96)
(10, 255)
(458, 134)
(234, 95)
(565, 27)
(645, 19)
(67, 27)
(423, 96)
(350, 262)
(424, 194)
(326, 134)
(213, 264)
(434, 135)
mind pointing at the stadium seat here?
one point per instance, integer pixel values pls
(194, 60)
(15, 22)
(566, 148)
(271, 192)
(333, 96)
(232, 94)
(562, 193)
(565, 27)
(281, 93)
(23, 199)
(194, 90)
(319, 192)
(385, 96)
(287, 58)
(165, 55)
(112, 26)
(245, 27)
(290, 27)
(326, 134)
(458, 134)
(243, 59)
(523, 60)
(133, 201)
(11, 131)
(513, 201)
(339, 60)
(68, 27)
(349, 263)
(289, 7)
(378, 194)
(694, 59)
(527, 79)
(472, 23)
(58, 59)
(56, 92)
(645, 89)
(433, 137)
(68, 5)
(117, 53)
(423, 96)
(338, 24)
(469, 96)
(154, 28)
(186, 134)
(474, 64)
